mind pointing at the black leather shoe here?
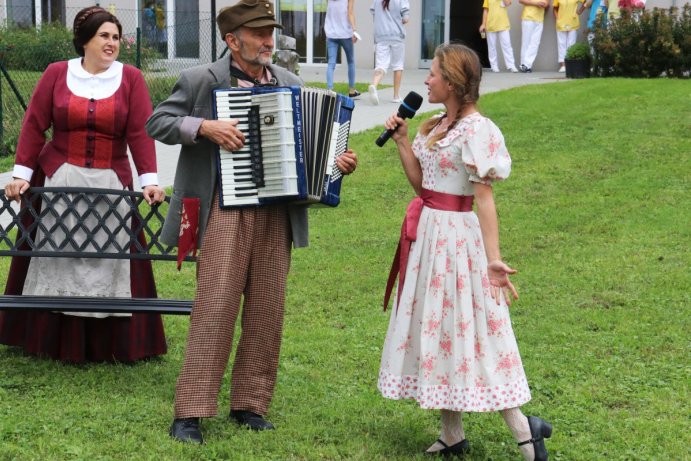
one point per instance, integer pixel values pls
(539, 431)
(251, 420)
(186, 430)
(458, 449)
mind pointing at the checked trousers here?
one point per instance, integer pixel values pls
(245, 255)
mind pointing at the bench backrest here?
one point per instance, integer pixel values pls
(117, 212)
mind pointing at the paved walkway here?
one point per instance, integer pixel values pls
(365, 115)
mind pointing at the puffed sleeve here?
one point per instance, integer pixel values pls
(484, 153)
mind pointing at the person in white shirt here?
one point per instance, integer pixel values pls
(339, 27)
(532, 22)
(390, 17)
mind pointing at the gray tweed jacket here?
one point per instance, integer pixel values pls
(176, 121)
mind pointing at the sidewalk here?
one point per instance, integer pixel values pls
(365, 115)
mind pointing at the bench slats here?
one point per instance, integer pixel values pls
(96, 304)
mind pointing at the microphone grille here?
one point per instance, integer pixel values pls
(413, 100)
(410, 105)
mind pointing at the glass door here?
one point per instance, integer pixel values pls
(293, 14)
(465, 17)
(435, 29)
(319, 43)
(304, 21)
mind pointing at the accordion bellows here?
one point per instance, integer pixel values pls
(292, 138)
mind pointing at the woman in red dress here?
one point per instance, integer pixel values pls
(96, 107)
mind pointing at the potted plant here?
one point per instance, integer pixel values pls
(577, 61)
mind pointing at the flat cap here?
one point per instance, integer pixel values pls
(248, 13)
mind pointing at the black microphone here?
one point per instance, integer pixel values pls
(407, 109)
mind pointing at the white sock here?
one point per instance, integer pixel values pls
(518, 423)
(451, 430)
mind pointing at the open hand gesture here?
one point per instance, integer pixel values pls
(498, 273)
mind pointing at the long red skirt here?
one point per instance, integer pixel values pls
(84, 339)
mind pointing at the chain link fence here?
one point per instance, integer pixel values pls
(161, 49)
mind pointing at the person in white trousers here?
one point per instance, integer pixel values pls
(495, 23)
(567, 23)
(532, 22)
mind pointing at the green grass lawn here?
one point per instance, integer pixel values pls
(596, 219)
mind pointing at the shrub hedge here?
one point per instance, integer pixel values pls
(34, 48)
(647, 44)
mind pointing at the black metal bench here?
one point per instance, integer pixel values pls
(18, 237)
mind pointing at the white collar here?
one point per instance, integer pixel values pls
(75, 67)
(96, 86)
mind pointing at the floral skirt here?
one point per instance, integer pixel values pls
(449, 345)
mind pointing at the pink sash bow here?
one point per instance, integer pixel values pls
(430, 199)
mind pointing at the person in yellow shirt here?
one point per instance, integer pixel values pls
(532, 21)
(613, 10)
(566, 14)
(496, 26)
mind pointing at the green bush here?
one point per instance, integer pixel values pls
(681, 34)
(159, 87)
(646, 44)
(579, 51)
(34, 48)
(128, 53)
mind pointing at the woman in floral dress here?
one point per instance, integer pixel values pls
(450, 344)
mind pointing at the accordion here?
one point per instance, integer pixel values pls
(292, 138)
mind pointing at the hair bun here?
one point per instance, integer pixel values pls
(83, 15)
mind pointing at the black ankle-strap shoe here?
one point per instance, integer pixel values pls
(539, 431)
(458, 449)
(186, 430)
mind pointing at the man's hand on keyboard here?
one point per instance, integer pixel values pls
(224, 133)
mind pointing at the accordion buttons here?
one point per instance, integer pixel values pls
(268, 120)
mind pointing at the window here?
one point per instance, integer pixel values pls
(186, 29)
(154, 25)
(21, 13)
(53, 11)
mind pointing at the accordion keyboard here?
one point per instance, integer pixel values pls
(266, 165)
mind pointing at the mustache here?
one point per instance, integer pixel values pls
(265, 49)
